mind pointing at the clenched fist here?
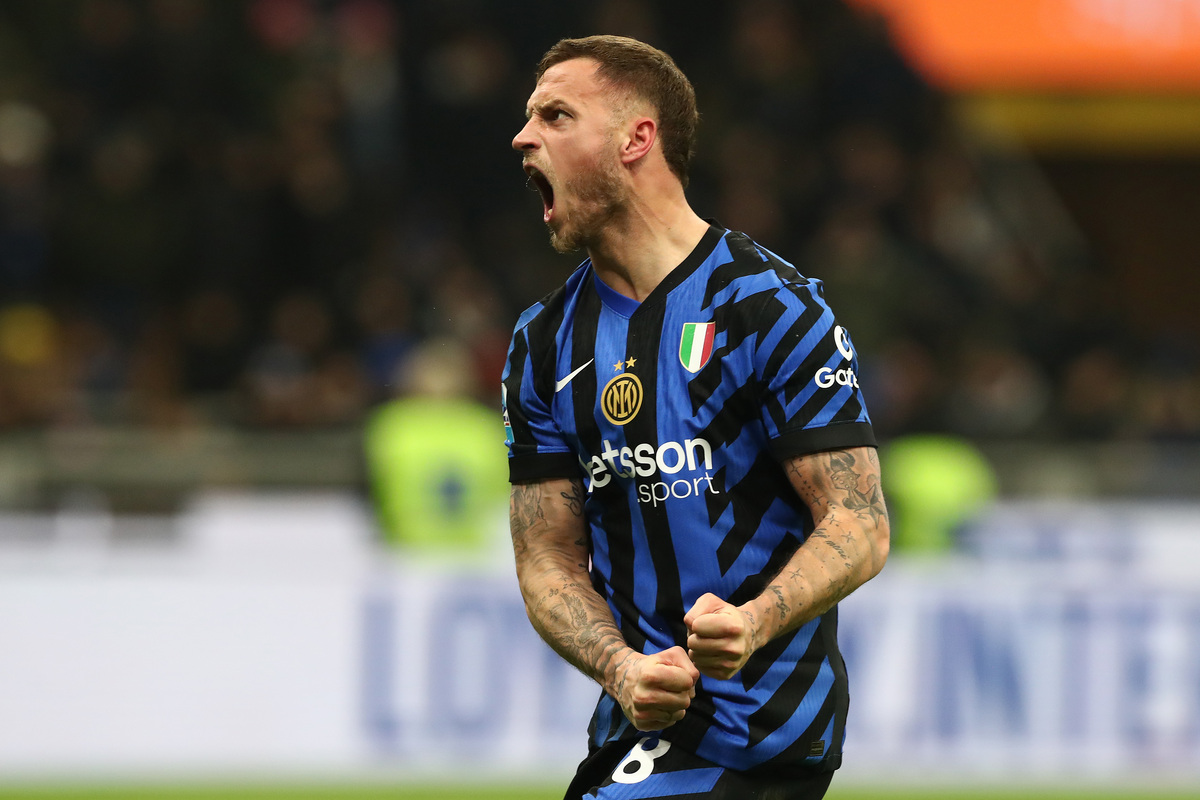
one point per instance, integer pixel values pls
(720, 636)
(655, 690)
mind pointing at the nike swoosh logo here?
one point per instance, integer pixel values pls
(560, 385)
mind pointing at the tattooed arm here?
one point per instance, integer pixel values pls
(550, 542)
(847, 548)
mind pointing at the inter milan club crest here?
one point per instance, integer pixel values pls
(622, 396)
(696, 344)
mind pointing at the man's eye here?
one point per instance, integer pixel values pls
(556, 115)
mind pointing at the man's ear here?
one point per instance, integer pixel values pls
(642, 133)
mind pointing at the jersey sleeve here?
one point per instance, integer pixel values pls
(809, 369)
(536, 447)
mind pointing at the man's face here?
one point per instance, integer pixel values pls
(570, 153)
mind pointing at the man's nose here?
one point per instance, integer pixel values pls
(524, 140)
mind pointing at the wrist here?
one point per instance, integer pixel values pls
(761, 613)
(613, 678)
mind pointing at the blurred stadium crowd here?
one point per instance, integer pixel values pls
(253, 214)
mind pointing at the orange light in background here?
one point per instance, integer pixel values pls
(1056, 45)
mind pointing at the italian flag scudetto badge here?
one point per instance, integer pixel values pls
(696, 344)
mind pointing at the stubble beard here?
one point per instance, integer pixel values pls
(598, 197)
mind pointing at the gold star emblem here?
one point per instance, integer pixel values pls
(617, 366)
(630, 362)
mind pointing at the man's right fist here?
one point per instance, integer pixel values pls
(655, 690)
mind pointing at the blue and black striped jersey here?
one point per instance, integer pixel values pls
(676, 413)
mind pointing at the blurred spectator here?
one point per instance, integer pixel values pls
(369, 78)
(298, 377)
(25, 137)
(999, 392)
(1096, 396)
(31, 375)
(435, 480)
(935, 483)
(384, 315)
(214, 336)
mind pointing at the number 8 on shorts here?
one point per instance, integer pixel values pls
(642, 756)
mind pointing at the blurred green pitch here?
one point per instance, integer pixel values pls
(508, 792)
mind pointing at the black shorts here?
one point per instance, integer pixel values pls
(650, 767)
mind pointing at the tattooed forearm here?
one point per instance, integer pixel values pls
(781, 606)
(847, 546)
(550, 541)
(822, 536)
(578, 625)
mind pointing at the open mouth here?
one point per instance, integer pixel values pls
(545, 189)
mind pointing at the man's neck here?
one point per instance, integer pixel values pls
(644, 243)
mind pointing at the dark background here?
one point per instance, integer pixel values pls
(248, 214)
